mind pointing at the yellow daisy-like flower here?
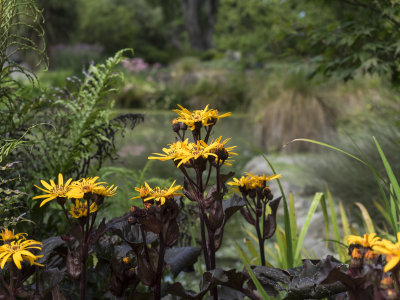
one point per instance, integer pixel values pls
(18, 251)
(83, 186)
(199, 118)
(173, 152)
(80, 210)
(144, 191)
(105, 191)
(392, 252)
(252, 181)
(195, 119)
(161, 194)
(8, 235)
(53, 191)
(367, 241)
(197, 150)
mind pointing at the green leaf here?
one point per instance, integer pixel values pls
(304, 229)
(253, 277)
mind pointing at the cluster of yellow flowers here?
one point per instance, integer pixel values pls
(378, 246)
(157, 194)
(17, 248)
(252, 181)
(75, 190)
(183, 152)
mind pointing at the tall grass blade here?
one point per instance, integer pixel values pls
(367, 218)
(326, 220)
(334, 219)
(304, 229)
(253, 277)
(286, 217)
(389, 170)
(293, 220)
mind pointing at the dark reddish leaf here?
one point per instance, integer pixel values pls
(270, 222)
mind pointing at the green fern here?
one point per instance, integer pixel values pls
(17, 17)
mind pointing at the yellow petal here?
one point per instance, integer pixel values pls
(46, 185)
(392, 263)
(60, 179)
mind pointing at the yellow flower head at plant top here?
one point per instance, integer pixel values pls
(83, 186)
(52, 190)
(199, 118)
(366, 241)
(251, 181)
(8, 235)
(158, 194)
(19, 251)
(391, 250)
(79, 210)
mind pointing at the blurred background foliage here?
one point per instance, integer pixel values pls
(326, 70)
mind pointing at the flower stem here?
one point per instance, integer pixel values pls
(157, 289)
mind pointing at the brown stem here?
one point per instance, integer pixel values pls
(208, 177)
(214, 291)
(203, 240)
(260, 240)
(160, 264)
(11, 285)
(66, 215)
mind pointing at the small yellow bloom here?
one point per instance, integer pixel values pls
(144, 191)
(79, 210)
(252, 181)
(83, 186)
(18, 251)
(8, 235)
(157, 194)
(53, 191)
(126, 260)
(356, 254)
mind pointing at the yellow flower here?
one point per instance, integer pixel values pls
(126, 260)
(8, 235)
(195, 151)
(161, 194)
(105, 191)
(392, 252)
(79, 210)
(199, 118)
(53, 191)
(367, 241)
(144, 191)
(252, 181)
(18, 251)
(173, 152)
(83, 186)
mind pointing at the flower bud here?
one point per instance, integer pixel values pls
(183, 126)
(175, 125)
(61, 200)
(386, 283)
